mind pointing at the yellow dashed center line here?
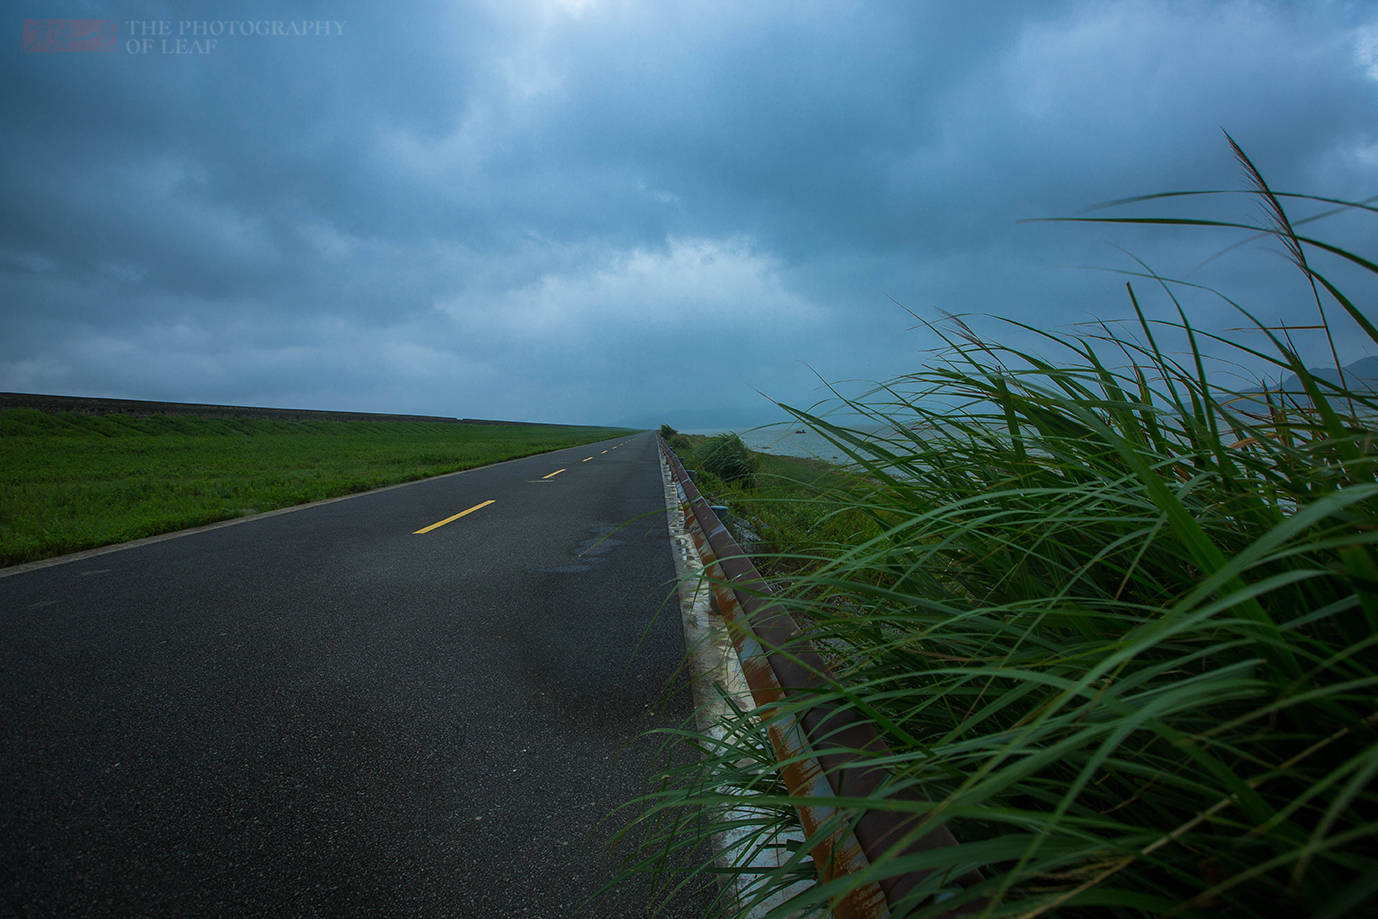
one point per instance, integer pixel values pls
(602, 451)
(553, 474)
(441, 523)
(586, 459)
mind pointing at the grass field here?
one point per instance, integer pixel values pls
(71, 482)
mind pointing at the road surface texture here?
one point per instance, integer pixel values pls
(326, 713)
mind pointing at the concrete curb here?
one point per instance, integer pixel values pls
(715, 671)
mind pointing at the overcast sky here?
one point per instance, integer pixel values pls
(596, 211)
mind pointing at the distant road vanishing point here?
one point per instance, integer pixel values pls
(421, 701)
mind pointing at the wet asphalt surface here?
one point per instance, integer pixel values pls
(321, 714)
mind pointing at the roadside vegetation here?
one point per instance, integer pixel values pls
(1113, 610)
(785, 504)
(71, 482)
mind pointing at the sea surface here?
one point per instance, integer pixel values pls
(798, 440)
(789, 441)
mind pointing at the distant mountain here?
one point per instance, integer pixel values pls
(1362, 374)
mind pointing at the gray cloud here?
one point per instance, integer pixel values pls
(607, 211)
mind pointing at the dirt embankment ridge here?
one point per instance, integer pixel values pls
(91, 405)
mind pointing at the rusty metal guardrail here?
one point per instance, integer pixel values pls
(815, 745)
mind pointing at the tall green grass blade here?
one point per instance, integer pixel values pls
(1115, 619)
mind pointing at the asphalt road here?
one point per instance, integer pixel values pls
(325, 713)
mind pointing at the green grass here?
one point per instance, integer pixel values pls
(1114, 613)
(791, 503)
(71, 482)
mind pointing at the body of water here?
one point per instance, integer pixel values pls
(789, 441)
(798, 440)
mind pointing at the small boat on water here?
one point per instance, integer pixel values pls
(800, 431)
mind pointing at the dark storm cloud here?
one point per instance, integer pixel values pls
(534, 210)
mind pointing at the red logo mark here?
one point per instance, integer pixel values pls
(48, 36)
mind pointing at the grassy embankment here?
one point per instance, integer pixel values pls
(70, 482)
(790, 503)
(1114, 613)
